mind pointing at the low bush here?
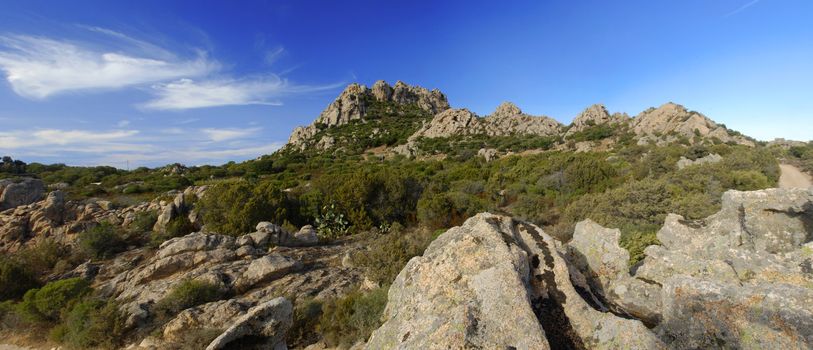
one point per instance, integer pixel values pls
(389, 253)
(102, 241)
(235, 208)
(635, 242)
(352, 318)
(47, 304)
(143, 222)
(304, 330)
(15, 278)
(186, 294)
(440, 209)
(43, 256)
(177, 227)
(91, 323)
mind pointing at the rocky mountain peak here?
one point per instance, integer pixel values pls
(596, 114)
(506, 109)
(355, 100)
(674, 121)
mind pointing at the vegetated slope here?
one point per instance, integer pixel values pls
(379, 175)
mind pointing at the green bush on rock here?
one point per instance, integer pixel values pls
(102, 241)
(91, 323)
(186, 294)
(352, 318)
(47, 304)
(15, 278)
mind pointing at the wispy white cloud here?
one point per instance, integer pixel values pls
(123, 123)
(18, 139)
(193, 155)
(218, 135)
(272, 56)
(742, 8)
(190, 94)
(136, 148)
(38, 67)
(187, 121)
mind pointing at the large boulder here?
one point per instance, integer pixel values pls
(54, 207)
(266, 268)
(17, 193)
(497, 283)
(269, 321)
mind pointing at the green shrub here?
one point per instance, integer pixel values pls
(235, 208)
(593, 133)
(6, 308)
(102, 241)
(330, 224)
(186, 294)
(635, 242)
(43, 256)
(47, 304)
(352, 318)
(446, 209)
(91, 323)
(143, 222)
(389, 253)
(16, 278)
(304, 330)
(177, 227)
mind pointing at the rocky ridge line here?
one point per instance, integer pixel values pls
(666, 124)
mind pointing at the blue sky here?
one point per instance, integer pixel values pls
(156, 82)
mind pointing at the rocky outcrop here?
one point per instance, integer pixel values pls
(16, 193)
(507, 120)
(595, 115)
(709, 159)
(268, 321)
(741, 278)
(670, 121)
(58, 219)
(243, 269)
(497, 283)
(666, 124)
(354, 102)
(269, 233)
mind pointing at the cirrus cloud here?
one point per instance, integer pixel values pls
(19, 139)
(38, 67)
(190, 94)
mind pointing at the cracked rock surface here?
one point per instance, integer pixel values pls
(740, 278)
(498, 283)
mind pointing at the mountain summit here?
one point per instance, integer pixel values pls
(356, 102)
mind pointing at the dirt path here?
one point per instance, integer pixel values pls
(792, 177)
(11, 347)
